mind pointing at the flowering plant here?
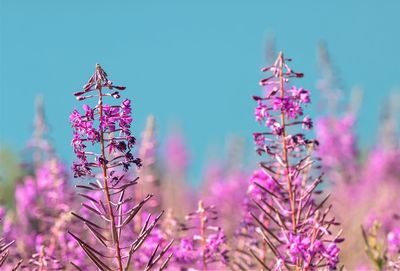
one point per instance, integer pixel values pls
(109, 208)
(292, 223)
(204, 245)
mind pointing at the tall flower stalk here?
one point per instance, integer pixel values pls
(109, 207)
(150, 182)
(39, 143)
(203, 245)
(175, 192)
(335, 129)
(295, 228)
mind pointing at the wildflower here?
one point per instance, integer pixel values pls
(287, 215)
(108, 126)
(307, 123)
(393, 240)
(205, 244)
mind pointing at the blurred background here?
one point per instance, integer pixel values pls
(193, 66)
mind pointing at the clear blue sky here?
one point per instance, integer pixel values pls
(195, 63)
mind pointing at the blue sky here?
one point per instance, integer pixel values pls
(191, 63)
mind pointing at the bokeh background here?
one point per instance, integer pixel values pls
(192, 64)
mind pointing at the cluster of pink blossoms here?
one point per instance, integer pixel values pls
(109, 206)
(292, 224)
(114, 124)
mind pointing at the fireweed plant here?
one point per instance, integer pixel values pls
(381, 231)
(108, 207)
(203, 247)
(383, 253)
(4, 252)
(39, 143)
(39, 232)
(150, 181)
(335, 130)
(296, 229)
(223, 188)
(149, 184)
(356, 181)
(176, 194)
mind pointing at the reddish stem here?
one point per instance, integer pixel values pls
(202, 233)
(284, 146)
(106, 190)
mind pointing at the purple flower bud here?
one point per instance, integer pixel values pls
(81, 98)
(115, 95)
(393, 240)
(307, 123)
